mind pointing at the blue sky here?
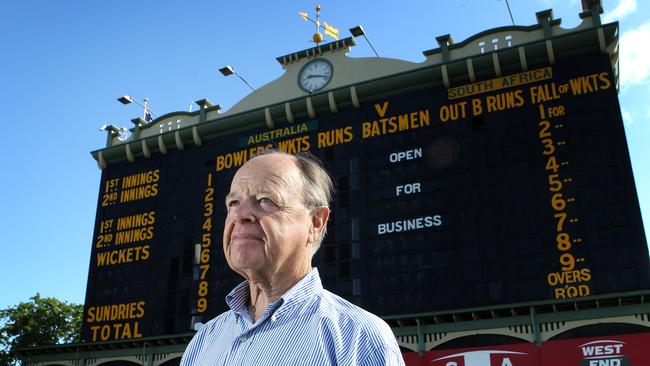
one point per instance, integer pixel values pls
(64, 63)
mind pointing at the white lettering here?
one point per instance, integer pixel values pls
(396, 157)
(588, 351)
(603, 350)
(605, 362)
(408, 189)
(409, 224)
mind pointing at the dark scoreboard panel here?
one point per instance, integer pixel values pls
(506, 190)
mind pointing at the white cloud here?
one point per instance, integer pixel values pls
(628, 118)
(624, 8)
(634, 58)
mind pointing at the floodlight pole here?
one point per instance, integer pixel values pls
(359, 31)
(229, 70)
(246, 82)
(510, 12)
(127, 99)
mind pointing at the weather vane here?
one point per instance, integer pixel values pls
(327, 29)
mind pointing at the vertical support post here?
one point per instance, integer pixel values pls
(129, 153)
(445, 75)
(354, 96)
(100, 161)
(287, 111)
(148, 356)
(204, 104)
(593, 9)
(550, 52)
(470, 70)
(444, 42)
(268, 118)
(310, 108)
(537, 337)
(196, 137)
(179, 141)
(496, 63)
(137, 122)
(330, 97)
(544, 19)
(522, 58)
(420, 338)
(161, 145)
(145, 149)
(601, 40)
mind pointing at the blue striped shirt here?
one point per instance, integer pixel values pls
(308, 325)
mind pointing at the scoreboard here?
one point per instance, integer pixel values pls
(506, 190)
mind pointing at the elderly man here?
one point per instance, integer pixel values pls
(278, 208)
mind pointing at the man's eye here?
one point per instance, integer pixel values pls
(264, 200)
(232, 203)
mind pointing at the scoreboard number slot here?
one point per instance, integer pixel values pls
(574, 277)
(205, 247)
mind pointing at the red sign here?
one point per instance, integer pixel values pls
(523, 354)
(620, 350)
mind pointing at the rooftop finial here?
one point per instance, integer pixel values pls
(327, 29)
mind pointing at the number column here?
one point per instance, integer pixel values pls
(203, 249)
(574, 277)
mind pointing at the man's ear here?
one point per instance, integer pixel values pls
(319, 218)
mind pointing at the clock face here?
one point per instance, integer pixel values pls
(315, 75)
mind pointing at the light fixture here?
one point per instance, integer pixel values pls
(112, 130)
(146, 113)
(126, 99)
(228, 70)
(358, 32)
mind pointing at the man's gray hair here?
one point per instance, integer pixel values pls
(317, 189)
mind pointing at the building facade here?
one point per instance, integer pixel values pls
(485, 203)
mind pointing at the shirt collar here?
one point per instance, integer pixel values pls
(307, 287)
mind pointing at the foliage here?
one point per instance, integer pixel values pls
(39, 322)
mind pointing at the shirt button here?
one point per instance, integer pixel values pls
(243, 338)
(274, 318)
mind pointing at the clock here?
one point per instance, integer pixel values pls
(315, 75)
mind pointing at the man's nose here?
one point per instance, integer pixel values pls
(244, 211)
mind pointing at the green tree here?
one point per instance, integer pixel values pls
(38, 322)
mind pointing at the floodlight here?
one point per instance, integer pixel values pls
(358, 32)
(228, 70)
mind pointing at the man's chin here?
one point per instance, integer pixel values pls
(245, 261)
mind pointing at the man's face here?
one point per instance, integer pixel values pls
(267, 230)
